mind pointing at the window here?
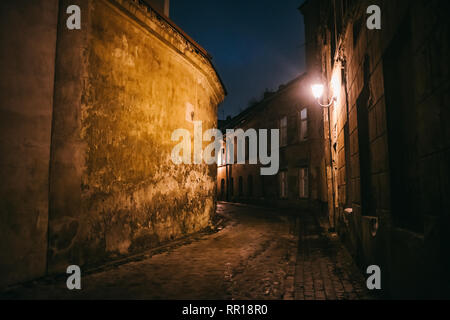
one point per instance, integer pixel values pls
(283, 184)
(250, 186)
(247, 148)
(262, 184)
(222, 157)
(241, 187)
(303, 127)
(235, 151)
(232, 186)
(283, 131)
(222, 188)
(303, 183)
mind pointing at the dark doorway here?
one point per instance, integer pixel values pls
(402, 130)
(241, 187)
(222, 189)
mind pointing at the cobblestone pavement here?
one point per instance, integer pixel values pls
(324, 269)
(256, 254)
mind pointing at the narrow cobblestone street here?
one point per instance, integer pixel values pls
(255, 254)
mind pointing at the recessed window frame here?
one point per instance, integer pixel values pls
(303, 127)
(303, 183)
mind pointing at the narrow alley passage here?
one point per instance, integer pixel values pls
(255, 253)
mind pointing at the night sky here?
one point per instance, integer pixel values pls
(255, 44)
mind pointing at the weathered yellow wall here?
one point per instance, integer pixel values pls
(137, 78)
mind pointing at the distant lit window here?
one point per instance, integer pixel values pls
(303, 125)
(283, 131)
(303, 182)
(222, 157)
(283, 184)
(235, 149)
(229, 150)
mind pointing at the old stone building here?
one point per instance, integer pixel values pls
(85, 142)
(389, 137)
(299, 182)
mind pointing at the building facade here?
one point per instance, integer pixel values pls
(86, 122)
(299, 182)
(389, 139)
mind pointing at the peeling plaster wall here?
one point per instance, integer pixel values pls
(114, 189)
(85, 134)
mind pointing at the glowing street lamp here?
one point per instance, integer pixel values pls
(317, 91)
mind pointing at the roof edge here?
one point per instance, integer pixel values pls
(201, 50)
(244, 114)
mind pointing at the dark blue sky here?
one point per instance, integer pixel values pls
(255, 44)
